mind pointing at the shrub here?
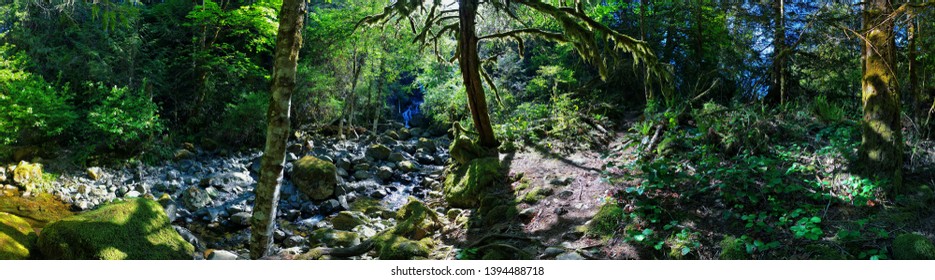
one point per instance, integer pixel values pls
(32, 109)
(124, 118)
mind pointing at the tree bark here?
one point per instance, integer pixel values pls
(470, 72)
(777, 89)
(286, 56)
(881, 148)
(917, 105)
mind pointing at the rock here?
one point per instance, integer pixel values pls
(315, 178)
(344, 163)
(572, 235)
(911, 246)
(453, 213)
(241, 219)
(17, 238)
(570, 256)
(551, 252)
(424, 158)
(293, 241)
(606, 221)
(378, 194)
(173, 175)
(330, 206)
(95, 173)
(362, 175)
(561, 181)
(384, 172)
(182, 154)
(347, 220)
(2, 174)
(392, 135)
(27, 176)
(279, 235)
(378, 152)
(466, 184)
(334, 238)
(407, 166)
(221, 255)
(565, 194)
(132, 194)
(131, 229)
(526, 215)
(396, 157)
(195, 198)
(426, 145)
(364, 231)
(404, 134)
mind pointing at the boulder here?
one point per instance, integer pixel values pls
(426, 145)
(133, 229)
(912, 246)
(463, 150)
(407, 166)
(182, 154)
(241, 219)
(397, 157)
(17, 238)
(221, 255)
(464, 187)
(27, 176)
(195, 198)
(379, 152)
(314, 177)
(335, 238)
(347, 220)
(384, 172)
(95, 173)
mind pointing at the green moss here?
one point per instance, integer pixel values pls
(606, 221)
(39, 210)
(733, 249)
(347, 220)
(132, 229)
(464, 150)
(335, 238)
(912, 246)
(416, 221)
(536, 194)
(379, 151)
(499, 214)
(364, 203)
(28, 176)
(17, 238)
(314, 177)
(824, 252)
(394, 247)
(465, 186)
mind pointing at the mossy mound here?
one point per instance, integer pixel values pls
(465, 186)
(606, 221)
(347, 220)
(314, 177)
(536, 194)
(733, 249)
(911, 246)
(335, 238)
(134, 229)
(17, 238)
(464, 150)
(409, 239)
(39, 210)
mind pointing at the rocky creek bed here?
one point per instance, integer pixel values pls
(208, 197)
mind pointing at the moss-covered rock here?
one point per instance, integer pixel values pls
(314, 177)
(606, 221)
(463, 150)
(335, 238)
(132, 229)
(536, 194)
(17, 239)
(416, 221)
(465, 186)
(27, 176)
(40, 209)
(347, 220)
(911, 246)
(733, 249)
(379, 151)
(395, 247)
(426, 145)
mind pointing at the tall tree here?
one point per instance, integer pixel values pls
(286, 56)
(470, 71)
(778, 79)
(881, 148)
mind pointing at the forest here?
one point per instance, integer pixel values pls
(467, 130)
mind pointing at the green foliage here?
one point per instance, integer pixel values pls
(607, 221)
(733, 249)
(827, 111)
(32, 109)
(244, 120)
(124, 118)
(910, 246)
(807, 228)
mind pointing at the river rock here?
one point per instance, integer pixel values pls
(221, 255)
(27, 175)
(379, 152)
(362, 175)
(570, 256)
(314, 177)
(347, 220)
(426, 145)
(293, 241)
(384, 172)
(95, 173)
(241, 219)
(195, 198)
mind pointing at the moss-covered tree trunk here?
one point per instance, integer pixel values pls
(470, 71)
(915, 92)
(286, 56)
(881, 148)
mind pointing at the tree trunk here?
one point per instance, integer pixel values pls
(917, 105)
(777, 89)
(286, 56)
(470, 71)
(881, 149)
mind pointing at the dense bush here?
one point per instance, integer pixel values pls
(33, 110)
(124, 118)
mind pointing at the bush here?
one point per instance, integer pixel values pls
(31, 110)
(124, 118)
(244, 122)
(827, 111)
